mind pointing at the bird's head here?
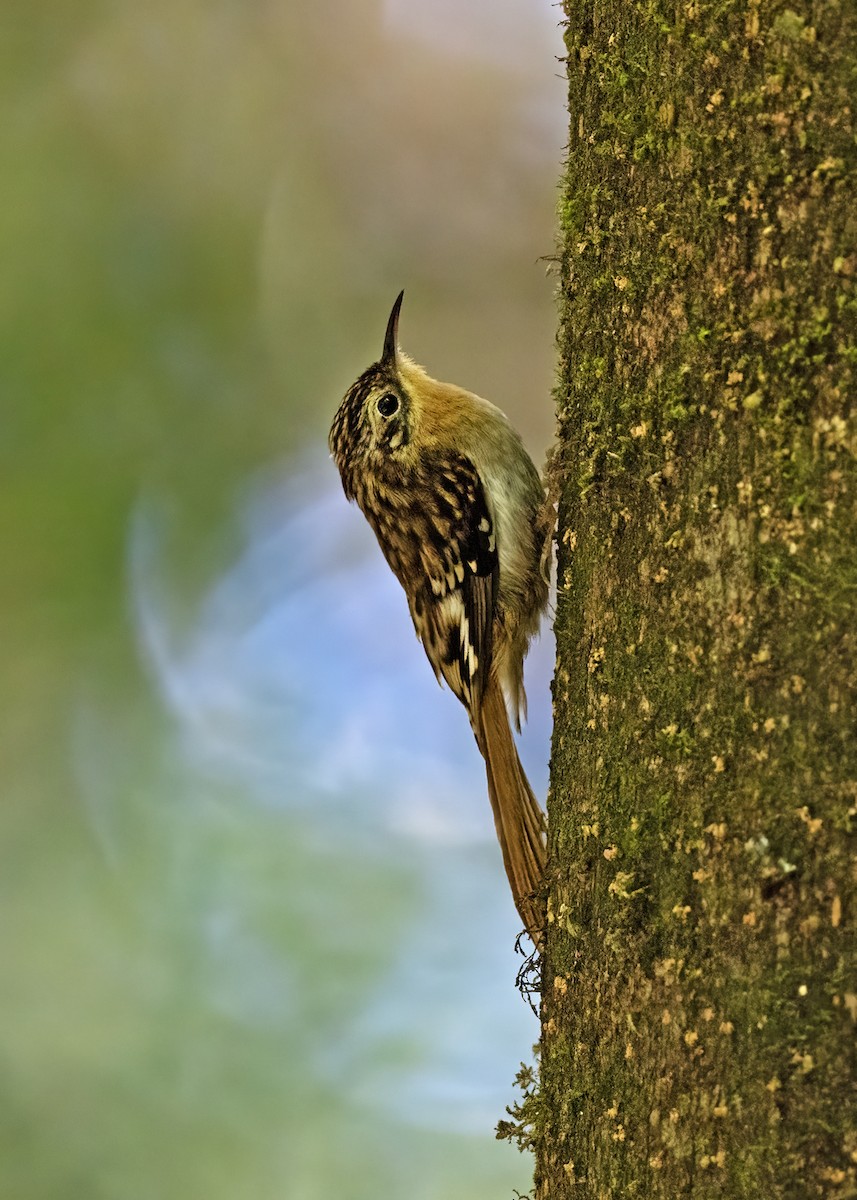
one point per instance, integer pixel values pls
(375, 417)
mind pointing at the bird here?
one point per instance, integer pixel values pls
(460, 514)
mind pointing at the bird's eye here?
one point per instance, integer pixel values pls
(388, 404)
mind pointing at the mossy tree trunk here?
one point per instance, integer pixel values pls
(699, 989)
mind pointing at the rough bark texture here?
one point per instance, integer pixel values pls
(699, 989)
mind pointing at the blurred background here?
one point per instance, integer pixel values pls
(256, 936)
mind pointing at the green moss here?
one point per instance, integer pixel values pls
(704, 776)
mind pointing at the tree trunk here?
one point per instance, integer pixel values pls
(699, 986)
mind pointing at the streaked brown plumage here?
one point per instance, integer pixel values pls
(459, 513)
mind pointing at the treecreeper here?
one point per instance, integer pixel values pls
(460, 515)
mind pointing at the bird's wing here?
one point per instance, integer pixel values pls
(454, 608)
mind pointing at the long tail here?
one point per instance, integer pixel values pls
(519, 820)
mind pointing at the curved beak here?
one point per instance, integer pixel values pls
(391, 336)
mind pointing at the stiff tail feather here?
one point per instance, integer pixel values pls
(519, 820)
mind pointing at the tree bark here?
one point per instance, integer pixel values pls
(698, 982)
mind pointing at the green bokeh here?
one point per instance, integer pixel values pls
(191, 265)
